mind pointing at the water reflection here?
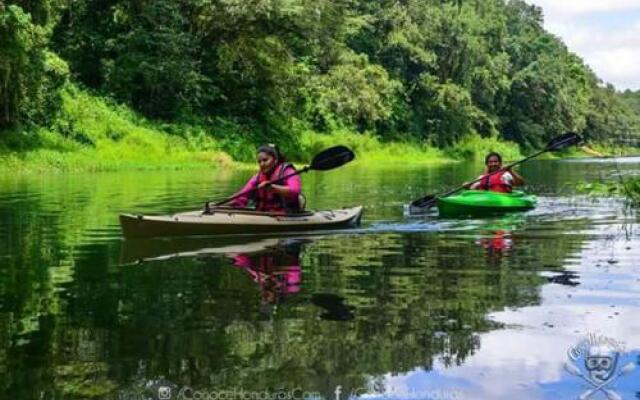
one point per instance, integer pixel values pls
(334, 307)
(273, 264)
(496, 235)
(485, 306)
(137, 251)
(497, 244)
(276, 271)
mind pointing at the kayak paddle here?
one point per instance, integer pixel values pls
(558, 143)
(328, 159)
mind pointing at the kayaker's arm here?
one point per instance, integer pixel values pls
(517, 179)
(474, 185)
(246, 191)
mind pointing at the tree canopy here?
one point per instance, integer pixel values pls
(428, 70)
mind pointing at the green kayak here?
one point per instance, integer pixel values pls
(482, 202)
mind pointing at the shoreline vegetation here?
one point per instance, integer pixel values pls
(90, 85)
(627, 188)
(92, 134)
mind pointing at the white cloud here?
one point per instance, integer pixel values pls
(575, 7)
(620, 66)
(606, 34)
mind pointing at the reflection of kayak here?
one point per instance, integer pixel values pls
(482, 202)
(138, 250)
(230, 221)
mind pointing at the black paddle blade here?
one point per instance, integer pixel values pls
(564, 141)
(334, 306)
(331, 158)
(425, 202)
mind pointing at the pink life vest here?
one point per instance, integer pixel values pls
(267, 200)
(277, 272)
(494, 183)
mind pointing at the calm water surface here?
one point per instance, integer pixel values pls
(401, 308)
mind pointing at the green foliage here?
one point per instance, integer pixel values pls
(545, 101)
(43, 12)
(616, 150)
(447, 111)
(616, 117)
(474, 147)
(352, 94)
(629, 188)
(598, 189)
(30, 75)
(632, 99)
(90, 133)
(247, 72)
(368, 148)
(155, 66)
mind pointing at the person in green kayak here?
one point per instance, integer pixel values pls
(495, 178)
(283, 196)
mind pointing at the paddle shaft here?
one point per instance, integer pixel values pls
(271, 182)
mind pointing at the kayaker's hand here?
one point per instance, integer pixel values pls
(264, 185)
(466, 185)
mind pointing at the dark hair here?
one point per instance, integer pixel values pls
(273, 150)
(492, 154)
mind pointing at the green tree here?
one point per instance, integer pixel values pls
(30, 75)
(353, 93)
(258, 70)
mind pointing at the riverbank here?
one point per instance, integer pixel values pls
(601, 150)
(92, 134)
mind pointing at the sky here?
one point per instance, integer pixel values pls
(605, 33)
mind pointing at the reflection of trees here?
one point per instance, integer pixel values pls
(196, 321)
(42, 227)
(27, 289)
(413, 300)
(75, 324)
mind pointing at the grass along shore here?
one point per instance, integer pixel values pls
(627, 188)
(92, 134)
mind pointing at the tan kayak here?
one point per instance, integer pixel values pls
(231, 221)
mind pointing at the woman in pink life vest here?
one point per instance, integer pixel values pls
(283, 196)
(502, 181)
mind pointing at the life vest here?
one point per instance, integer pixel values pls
(283, 270)
(494, 183)
(276, 272)
(267, 200)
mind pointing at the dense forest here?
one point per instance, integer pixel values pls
(428, 71)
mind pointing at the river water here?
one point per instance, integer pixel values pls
(511, 307)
